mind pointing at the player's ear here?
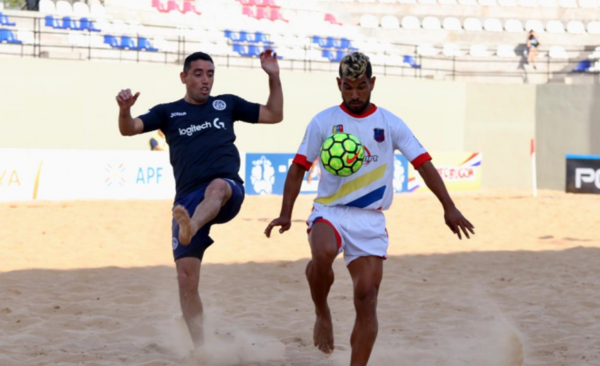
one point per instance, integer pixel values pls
(339, 82)
(182, 76)
(372, 83)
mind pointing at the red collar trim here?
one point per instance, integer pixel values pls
(365, 114)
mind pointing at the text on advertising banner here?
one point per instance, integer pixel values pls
(583, 173)
(460, 172)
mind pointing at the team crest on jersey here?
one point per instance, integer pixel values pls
(379, 134)
(219, 105)
(338, 129)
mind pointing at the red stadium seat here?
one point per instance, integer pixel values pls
(248, 11)
(189, 6)
(271, 3)
(331, 19)
(159, 6)
(262, 13)
(276, 15)
(173, 6)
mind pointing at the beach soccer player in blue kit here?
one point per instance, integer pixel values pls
(199, 131)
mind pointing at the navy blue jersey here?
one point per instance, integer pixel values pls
(201, 138)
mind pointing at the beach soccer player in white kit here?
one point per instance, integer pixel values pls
(347, 215)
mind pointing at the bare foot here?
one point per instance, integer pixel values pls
(187, 229)
(323, 333)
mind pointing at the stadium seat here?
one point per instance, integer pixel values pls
(452, 50)
(534, 25)
(479, 50)
(506, 51)
(407, 1)
(447, 2)
(111, 41)
(468, 2)
(50, 21)
(426, 49)
(176, 18)
(188, 7)
(555, 27)
(275, 15)
(508, 3)
(234, 36)
(488, 3)
(426, 2)
(548, 3)
(7, 36)
(593, 27)
(568, 3)
(473, 25)
(127, 43)
(575, 27)
(173, 6)
(410, 60)
(145, 45)
(390, 22)
(590, 4)
(26, 36)
(330, 18)
(410, 22)
(63, 8)
(369, 21)
(5, 21)
(528, 3)
(77, 39)
(247, 11)
(47, 6)
(81, 9)
(68, 23)
(452, 24)
(262, 38)
(558, 52)
(98, 10)
(431, 23)
(594, 56)
(583, 66)
(513, 26)
(158, 5)
(192, 18)
(493, 25)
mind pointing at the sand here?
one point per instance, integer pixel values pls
(93, 283)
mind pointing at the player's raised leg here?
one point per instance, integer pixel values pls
(188, 278)
(366, 275)
(216, 196)
(319, 273)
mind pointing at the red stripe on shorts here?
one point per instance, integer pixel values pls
(338, 237)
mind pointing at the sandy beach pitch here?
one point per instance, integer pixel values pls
(93, 283)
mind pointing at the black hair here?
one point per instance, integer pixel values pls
(194, 57)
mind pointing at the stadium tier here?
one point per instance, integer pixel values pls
(445, 39)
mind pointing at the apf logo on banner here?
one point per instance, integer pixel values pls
(583, 173)
(459, 171)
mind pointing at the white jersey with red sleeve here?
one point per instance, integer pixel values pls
(381, 133)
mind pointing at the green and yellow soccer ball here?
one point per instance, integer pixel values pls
(342, 154)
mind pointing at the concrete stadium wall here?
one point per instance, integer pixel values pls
(70, 105)
(568, 122)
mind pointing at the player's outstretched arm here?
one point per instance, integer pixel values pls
(293, 183)
(272, 112)
(128, 126)
(454, 219)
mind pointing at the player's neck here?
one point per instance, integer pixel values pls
(192, 101)
(370, 109)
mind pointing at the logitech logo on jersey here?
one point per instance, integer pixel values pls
(178, 114)
(197, 128)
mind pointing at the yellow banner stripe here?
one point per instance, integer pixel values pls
(354, 185)
(37, 181)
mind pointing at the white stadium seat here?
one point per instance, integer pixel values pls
(479, 50)
(555, 27)
(427, 2)
(548, 3)
(387, 1)
(487, 3)
(452, 24)
(431, 23)
(26, 36)
(513, 26)
(47, 6)
(63, 8)
(81, 9)
(176, 17)
(369, 21)
(366, 1)
(468, 2)
(594, 56)
(534, 25)
(568, 3)
(407, 1)
(473, 25)
(528, 3)
(591, 4)
(394, 60)
(427, 49)
(451, 50)
(98, 10)
(97, 41)
(493, 25)
(558, 52)
(390, 22)
(505, 50)
(575, 27)
(447, 2)
(508, 3)
(593, 27)
(410, 22)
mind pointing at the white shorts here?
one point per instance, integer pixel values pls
(359, 232)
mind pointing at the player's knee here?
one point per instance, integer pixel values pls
(188, 282)
(324, 255)
(365, 298)
(217, 188)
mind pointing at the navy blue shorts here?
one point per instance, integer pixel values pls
(201, 241)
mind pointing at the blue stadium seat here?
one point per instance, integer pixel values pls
(410, 60)
(127, 43)
(86, 24)
(111, 41)
(324, 42)
(5, 21)
(50, 21)
(254, 51)
(331, 55)
(262, 38)
(583, 66)
(145, 45)
(346, 44)
(68, 23)
(7, 36)
(234, 36)
(239, 48)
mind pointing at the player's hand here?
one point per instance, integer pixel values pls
(268, 61)
(457, 222)
(125, 99)
(284, 222)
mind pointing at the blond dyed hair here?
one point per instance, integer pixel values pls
(355, 65)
